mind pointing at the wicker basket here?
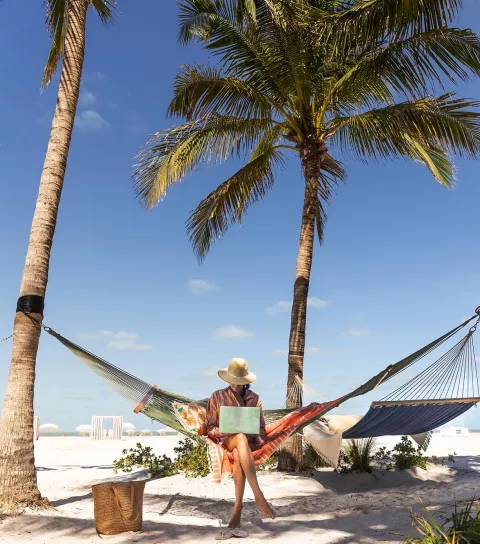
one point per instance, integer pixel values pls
(118, 507)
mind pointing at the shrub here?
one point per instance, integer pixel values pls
(271, 463)
(357, 456)
(405, 455)
(463, 527)
(143, 457)
(192, 458)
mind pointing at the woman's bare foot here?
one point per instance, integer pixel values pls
(236, 518)
(264, 508)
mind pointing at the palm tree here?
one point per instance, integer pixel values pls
(66, 21)
(321, 79)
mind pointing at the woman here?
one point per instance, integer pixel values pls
(238, 393)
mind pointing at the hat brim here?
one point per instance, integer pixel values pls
(234, 380)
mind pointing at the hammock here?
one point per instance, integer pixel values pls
(157, 403)
(443, 391)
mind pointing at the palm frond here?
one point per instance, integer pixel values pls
(57, 24)
(196, 18)
(371, 21)
(410, 67)
(104, 9)
(435, 159)
(242, 49)
(203, 90)
(172, 154)
(56, 21)
(229, 202)
(385, 132)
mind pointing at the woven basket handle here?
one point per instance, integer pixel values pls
(136, 511)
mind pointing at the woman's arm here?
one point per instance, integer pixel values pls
(212, 418)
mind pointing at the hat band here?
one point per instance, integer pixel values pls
(234, 376)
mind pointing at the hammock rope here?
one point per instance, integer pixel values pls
(157, 403)
(443, 391)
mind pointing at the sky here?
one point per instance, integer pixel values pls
(399, 266)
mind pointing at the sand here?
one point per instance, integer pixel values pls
(329, 508)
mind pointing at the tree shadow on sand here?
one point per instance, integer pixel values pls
(347, 529)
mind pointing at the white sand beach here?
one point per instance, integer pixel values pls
(330, 508)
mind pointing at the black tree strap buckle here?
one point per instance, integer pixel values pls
(31, 304)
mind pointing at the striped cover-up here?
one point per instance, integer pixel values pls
(275, 434)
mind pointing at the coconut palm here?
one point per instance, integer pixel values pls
(66, 21)
(321, 79)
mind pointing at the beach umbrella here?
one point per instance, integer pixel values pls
(128, 427)
(146, 432)
(130, 432)
(84, 428)
(49, 427)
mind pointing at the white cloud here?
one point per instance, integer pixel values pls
(91, 120)
(231, 332)
(95, 335)
(87, 99)
(129, 344)
(315, 302)
(210, 372)
(280, 306)
(358, 333)
(117, 340)
(200, 286)
(94, 76)
(119, 335)
(286, 305)
(477, 358)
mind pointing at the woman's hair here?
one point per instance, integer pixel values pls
(245, 388)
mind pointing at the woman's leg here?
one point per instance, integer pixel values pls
(239, 479)
(239, 442)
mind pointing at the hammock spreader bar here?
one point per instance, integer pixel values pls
(157, 404)
(443, 391)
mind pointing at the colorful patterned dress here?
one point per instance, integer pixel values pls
(274, 434)
(228, 397)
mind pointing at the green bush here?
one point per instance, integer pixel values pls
(405, 455)
(463, 527)
(143, 457)
(357, 456)
(271, 463)
(192, 458)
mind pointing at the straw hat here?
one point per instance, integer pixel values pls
(237, 373)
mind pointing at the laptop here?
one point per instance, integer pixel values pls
(234, 420)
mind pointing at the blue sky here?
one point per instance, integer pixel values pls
(398, 268)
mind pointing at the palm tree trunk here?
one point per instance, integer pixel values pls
(18, 480)
(291, 455)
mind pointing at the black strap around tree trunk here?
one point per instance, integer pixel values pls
(31, 304)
